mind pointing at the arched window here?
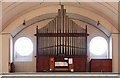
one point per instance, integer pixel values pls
(23, 46)
(98, 45)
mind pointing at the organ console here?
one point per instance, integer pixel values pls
(61, 45)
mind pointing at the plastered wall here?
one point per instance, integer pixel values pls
(29, 32)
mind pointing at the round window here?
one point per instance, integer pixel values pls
(98, 45)
(24, 46)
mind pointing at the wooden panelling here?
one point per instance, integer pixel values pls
(12, 67)
(45, 63)
(71, 67)
(101, 65)
(42, 63)
(80, 64)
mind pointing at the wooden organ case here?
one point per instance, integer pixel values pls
(61, 45)
(101, 65)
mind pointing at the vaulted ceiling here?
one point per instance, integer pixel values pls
(13, 10)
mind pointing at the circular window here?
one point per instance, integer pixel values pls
(98, 45)
(24, 46)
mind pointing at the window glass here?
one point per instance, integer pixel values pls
(98, 45)
(23, 46)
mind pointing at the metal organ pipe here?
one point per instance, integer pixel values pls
(57, 32)
(62, 36)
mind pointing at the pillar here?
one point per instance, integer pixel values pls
(115, 53)
(5, 52)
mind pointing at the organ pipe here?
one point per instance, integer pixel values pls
(62, 36)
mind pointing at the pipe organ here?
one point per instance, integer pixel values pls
(61, 45)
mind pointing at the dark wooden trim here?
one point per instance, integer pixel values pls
(12, 67)
(36, 48)
(86, 46)
(64, 56)
(72, 46)
(61, 34)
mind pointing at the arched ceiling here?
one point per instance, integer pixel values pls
(13, 10)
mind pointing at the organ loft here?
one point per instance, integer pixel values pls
(62, 46)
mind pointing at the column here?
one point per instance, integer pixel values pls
(115, 52)
(5, 52)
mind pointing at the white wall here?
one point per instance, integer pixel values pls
(93, 31)
(29, 32)
(28, 66)
(110, 47)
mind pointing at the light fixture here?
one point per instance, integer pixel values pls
(24, 23)
(98, 23)
(72, 70)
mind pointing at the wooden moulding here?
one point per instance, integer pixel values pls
(61, 34)
(52, 64)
